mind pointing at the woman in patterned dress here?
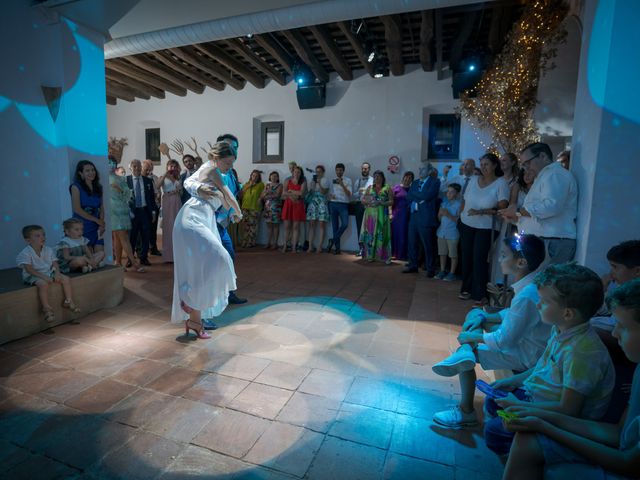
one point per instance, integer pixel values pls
(376, 224)
(251, 206)
(317, 208)
(271, 196)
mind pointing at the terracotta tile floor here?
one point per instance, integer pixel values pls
(324, 374)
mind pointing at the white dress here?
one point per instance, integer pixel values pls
(203, 272)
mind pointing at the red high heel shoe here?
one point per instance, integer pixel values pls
(200, 331)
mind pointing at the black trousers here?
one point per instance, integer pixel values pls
(475, 245)
(421, 235)
(153, 233)
(358, 212)
(141, 228)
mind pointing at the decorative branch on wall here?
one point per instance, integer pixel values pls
(507, 93)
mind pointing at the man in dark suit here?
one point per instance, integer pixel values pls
(143, 206)
(422, 197)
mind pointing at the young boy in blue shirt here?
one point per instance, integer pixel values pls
(447, 233)
(552, 444)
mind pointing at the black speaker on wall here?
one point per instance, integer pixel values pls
(311, 96)
(465, 81)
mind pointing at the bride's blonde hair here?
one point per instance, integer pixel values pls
(221, 150)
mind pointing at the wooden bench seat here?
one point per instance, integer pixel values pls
(20, 311)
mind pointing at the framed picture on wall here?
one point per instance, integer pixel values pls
(152, 142)
(444, 137)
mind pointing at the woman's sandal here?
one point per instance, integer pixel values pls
(49, 316)
(71, 306)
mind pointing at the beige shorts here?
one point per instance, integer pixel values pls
(448, 247)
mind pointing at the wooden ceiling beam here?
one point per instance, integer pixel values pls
(283, 57)
(166, 73)
(356, 45)
(133, 83)
(439, 45)
(170, 62)
(111, 100)
(191, 57)
(426, 39)
(393, 37)
(464, 30)
(251, 57)
(144, 76)
(120, 91)
(231, 63)
(331, 50)
(302, 48)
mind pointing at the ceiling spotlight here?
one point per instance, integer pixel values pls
(302, 74)
(472, 67)
(249, 35)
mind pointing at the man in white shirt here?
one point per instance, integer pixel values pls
(552, 202)
(359, 187)
(339, 197)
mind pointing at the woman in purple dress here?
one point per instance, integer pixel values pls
(400, 217)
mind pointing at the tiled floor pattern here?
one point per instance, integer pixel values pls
(324, 374)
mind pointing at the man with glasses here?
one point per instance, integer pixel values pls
(552, 202)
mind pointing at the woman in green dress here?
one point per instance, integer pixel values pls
(120, 195)
(376, 224)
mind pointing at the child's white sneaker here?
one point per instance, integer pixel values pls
(456, 418)
(459, 361)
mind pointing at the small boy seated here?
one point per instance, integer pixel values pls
(512, 339)
(624, 262)
(574, 375)
(550, 444)
(40, 268)
(73, 251)
(447, 233)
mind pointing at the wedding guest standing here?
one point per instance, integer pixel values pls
(484, 196)
(86, 201)
(293, 213)
(251, 206)
(339, 196)
(375, 235)
(171, 188)
(400, 217)
(359, 187)
(143, 206)
(147, 171)
(317, 208)
(271, 196)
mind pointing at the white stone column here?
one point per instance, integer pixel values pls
(606, 134)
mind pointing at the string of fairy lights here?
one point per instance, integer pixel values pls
(506, 95)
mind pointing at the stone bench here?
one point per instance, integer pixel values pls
(20, 311)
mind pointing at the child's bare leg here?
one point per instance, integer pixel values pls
(117, 248)
(526, 460)
(66, 287)
(76, 263)
(43, 294)
(443, 262)
(454, 264)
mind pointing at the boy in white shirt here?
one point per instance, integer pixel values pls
(40, 268)
(511, 339)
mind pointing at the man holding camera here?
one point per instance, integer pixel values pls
(340, 195)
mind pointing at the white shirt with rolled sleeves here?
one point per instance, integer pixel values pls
(552, 202)
(337, 192)
(521, 333)
(359, 187)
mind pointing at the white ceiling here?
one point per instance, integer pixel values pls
(151, 15)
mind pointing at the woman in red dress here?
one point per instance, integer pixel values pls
(293, 213)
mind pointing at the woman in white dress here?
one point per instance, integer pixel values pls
(203, 271)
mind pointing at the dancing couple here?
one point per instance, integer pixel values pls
(203, 269)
